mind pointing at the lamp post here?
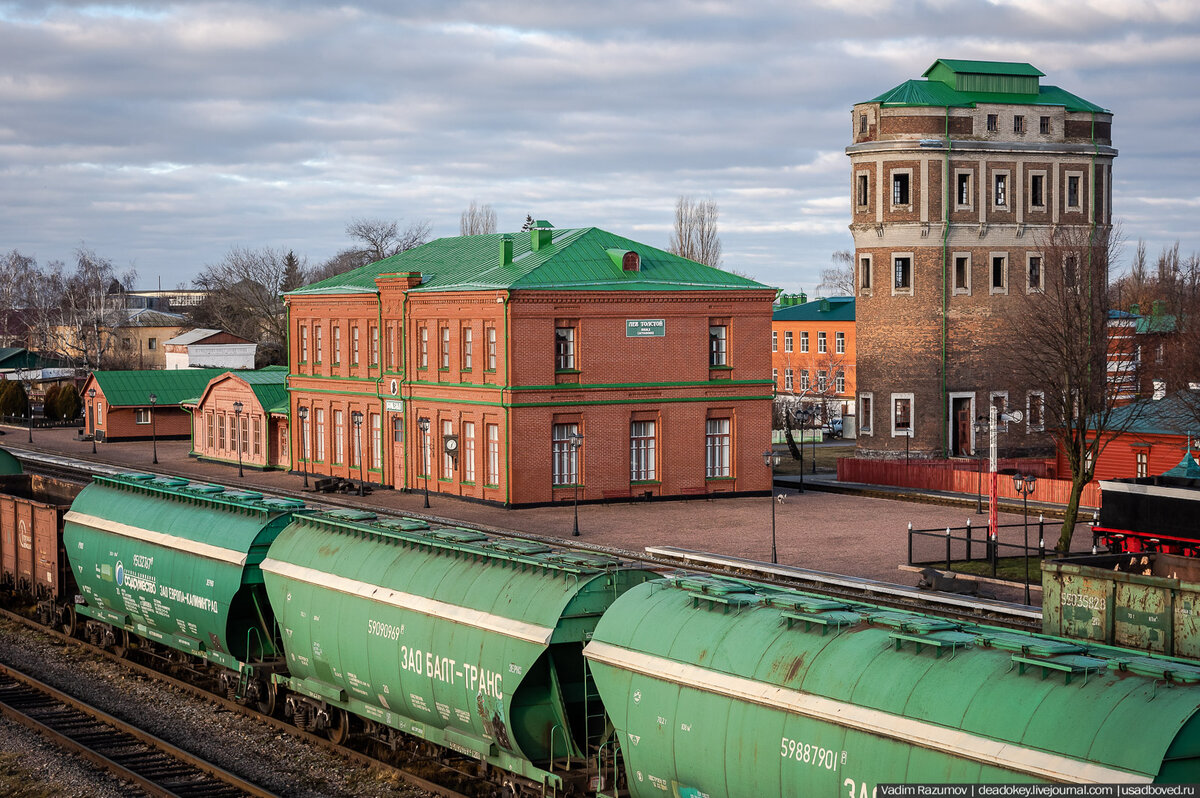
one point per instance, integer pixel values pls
(980, 427)
(356, 417)
(303, 413)
(237, 421)
(423, 423)
(576, 441)
(92, 415)
(770, 460)
(907, 438)
(154, 427)
(1023, 483)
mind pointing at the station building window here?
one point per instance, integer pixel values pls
(641, 451)
(492, 475)
(563, 456)
(564, 347)
(902, 414)
(717, 341)
(468, 451)
(717, 447)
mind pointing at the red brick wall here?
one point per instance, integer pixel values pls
(616, 380)
(218, 402)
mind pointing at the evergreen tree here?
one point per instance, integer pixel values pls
(293, 277)
(69, 403)
(50, 403)
(13, 399)
(525, 228)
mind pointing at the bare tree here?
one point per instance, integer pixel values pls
(1063, 351)
(838, 279)
(243, 294)
(477, 220)
(381, 238)
(695, 234)
(93, 306)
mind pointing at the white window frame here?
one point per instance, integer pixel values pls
(1045, 189)
(424, 347)
(954, 256)
(969, 205)
(468, 344)
(912, 274)
(1030, 427)
(718, 345)
(804, 383)
(774, 340)
(839, 382)
(468, 452)
(336, 355)
(1005, 205)
(912, 414)
(822, 342)
(564, 458)
(1001, 425)
(892, 175)
(142, 415)
(643, 440)
(491, 348)
(839, 343)
(864, 416)
(1141, 459)
(788, 380)
(718, 448)
(491, 476)
(804, 342)
(992, 288)
(1078, 206)
(355, 340)
(775, 378)
(444, 349)
(788, 341)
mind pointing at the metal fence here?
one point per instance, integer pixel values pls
(42, 423)
(945, 546)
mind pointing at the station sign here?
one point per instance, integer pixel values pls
(645, 328)
(393, 405)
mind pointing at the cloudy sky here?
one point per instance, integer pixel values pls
(160, 135)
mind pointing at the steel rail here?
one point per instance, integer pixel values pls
(129, 752)
(232, 706)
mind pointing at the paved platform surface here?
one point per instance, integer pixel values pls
(842, 533)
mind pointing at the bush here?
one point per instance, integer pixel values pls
(13, 399)
(50, 403)
(69, 403)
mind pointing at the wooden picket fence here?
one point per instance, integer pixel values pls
(957, 476)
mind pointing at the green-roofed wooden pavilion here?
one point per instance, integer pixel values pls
(471, 362)
(121, 409)
(246, 410)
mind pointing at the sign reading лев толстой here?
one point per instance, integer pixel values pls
(645, 328)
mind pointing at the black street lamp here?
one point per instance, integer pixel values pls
(303, 413)
(576, 441)
(423, 423)
(237, 420)
(92, 415)
(1023, 483)
(981, 428)
(154, 427)
(356, 418)
(770, 460)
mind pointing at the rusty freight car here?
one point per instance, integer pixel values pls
(32, 560)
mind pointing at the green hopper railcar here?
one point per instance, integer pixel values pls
(176, 563)
(722, 687)
(470, 643)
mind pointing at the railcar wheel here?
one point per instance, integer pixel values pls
(266, 698)
(69, 621)
(339, 728)
(122, 647)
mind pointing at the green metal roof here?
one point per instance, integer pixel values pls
(133, 388)
(987, 67)
(1171, 415)
(923, 93)
(585, 259)
(834, 308)
(1188, 468)
(15, 357)
(269, 387)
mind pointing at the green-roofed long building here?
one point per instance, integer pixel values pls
(515, 368)
(958, 181)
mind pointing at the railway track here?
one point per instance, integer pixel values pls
(200, 692)
(951, 606)
(128, 752)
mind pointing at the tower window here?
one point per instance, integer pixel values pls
(900, 194)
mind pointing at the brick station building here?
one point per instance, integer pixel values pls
(505, 346)
(957, 181)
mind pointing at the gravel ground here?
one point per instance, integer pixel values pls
(31, 767)
(241, 745)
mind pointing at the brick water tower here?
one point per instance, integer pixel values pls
(958, 181)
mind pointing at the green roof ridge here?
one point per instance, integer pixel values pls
(574, 259)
